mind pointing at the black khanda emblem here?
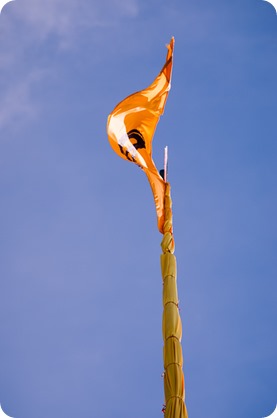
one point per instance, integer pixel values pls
(137, 141)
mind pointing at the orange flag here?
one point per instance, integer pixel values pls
(132, 124)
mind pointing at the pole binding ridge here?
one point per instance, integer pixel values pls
(174, 385)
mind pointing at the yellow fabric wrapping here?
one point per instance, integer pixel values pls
(174, 387)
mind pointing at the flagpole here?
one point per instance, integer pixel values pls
(130, 127)
(165, 163)
(174, 387)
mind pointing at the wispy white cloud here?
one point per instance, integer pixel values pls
(44, 18)
(16, 103)
(63, 18)
(31, 23)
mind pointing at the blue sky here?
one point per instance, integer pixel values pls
(79, 247)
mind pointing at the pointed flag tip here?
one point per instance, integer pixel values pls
(170, 46)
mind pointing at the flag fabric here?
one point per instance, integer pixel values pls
(131, 127)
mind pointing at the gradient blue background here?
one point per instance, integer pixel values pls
(80, 297)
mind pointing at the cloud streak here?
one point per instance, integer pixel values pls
(16, 104)
(64, 18)
(57, 21)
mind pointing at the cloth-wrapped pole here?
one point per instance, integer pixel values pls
(174, 387)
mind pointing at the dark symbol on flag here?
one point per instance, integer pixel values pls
(137, 135)
(137, 141)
